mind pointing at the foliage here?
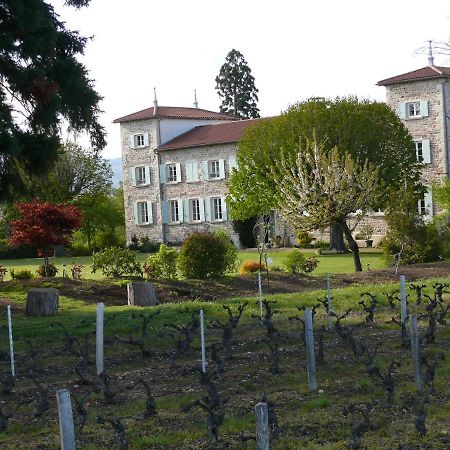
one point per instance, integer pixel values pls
(10, 252)
(365, 232)
(322, 245)
(360, 128)
(50, 271)
(3, 271)
(236, 87)
(441, 194)
(303, 239)
(408, 235)
(42, 225)
(251, 267)
(244, 228)
(24, 274)
(43, 85)
(295, 262)
(116, 262)
(143, 244)
(162, 264)
(202, 255)
(76, 270)
(231, 252)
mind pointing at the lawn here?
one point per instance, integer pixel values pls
(306, 419)
(370, 258)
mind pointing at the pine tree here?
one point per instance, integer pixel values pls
(42, 85)
(236, 87)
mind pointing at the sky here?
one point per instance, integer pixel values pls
(296, 49)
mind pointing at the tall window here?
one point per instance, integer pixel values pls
(423, 210)
(195, 209)
(140, 175)
(172, 173)
(139, 140)
(174, 212)
(216, 204)
(419, 151)
(214, 169)
(413, 109)
(142, 212)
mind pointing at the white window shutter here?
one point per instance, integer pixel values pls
(165, 211)
(207, 209)
(162, 173)
(189, 171)
(146, 140)
(424, 108)
(426, 151)
(148, 176)
(187, 213)
(232, 162)
(135, 211)
(180, 210)
(205, 167)
(131, 138)
(429, 203)
(224, 209)
(201, 205)
(133, 176)
(402, 110)
(221, 168)
(150, 212)
(178, 166)
(194, 171)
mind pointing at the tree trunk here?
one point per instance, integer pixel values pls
(337, 238)
(352, 245)
(42, 302)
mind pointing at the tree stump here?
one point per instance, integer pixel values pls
(141, 293)
(42, 302)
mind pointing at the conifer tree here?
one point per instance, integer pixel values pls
(236, 87)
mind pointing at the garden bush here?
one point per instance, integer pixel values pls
(251, 267)
(21, 274)
(162, 264)
(203, 255)
(295, 262)
(303, 239)
(231, 254)
(116, 262)
(51, 270)
(143, 244)
(244, 228)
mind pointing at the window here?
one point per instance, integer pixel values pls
(216, 204)
(214, 169)
(172, 173)
(142, 213)
(194, 206)
(140, 176)
(423, 210)
(413, 109)
(419, 151)
(174, 211)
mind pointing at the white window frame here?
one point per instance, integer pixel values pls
(194, 210)
(214, 169)
(216, 209)
(174, 211)
(423, 151)
(141, 175)
(416, 110)
(425, 205)
(143, 214)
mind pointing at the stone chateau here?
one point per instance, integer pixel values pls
(176, 160)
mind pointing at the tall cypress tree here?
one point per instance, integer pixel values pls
(236, 87)
(42, 85)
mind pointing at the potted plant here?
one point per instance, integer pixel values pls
(366, 233)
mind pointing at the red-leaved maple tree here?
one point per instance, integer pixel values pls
(43, 225)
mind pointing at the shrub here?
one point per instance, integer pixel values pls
(303, 239)
(51, 270)
(163, 264)
(321, 245)
(21, 274)
(251, 267)
(116, 262)
(3, 271)
(295, 262)
(202, 255)
(143, 244)
(365, 233)
(276, 269)
(231, 252)
(76, 270)
(244, 228)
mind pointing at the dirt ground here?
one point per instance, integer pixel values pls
(242, 286)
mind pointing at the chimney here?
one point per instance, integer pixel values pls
(195, 99)
(155, 103)
(430, 54)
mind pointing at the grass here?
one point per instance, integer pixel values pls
(370, 258)
(308, 419)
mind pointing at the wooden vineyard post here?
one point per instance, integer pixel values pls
(262, 426)
(415, 347)
(403, 305)
(330, 306)
(202, 338)
(311, 363)
(99, 338)
(66, 428)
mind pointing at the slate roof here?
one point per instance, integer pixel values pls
(221, 133)
(174, 112)
(425, 73)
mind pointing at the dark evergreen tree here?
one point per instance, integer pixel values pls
(42, 85)
(236, 87)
